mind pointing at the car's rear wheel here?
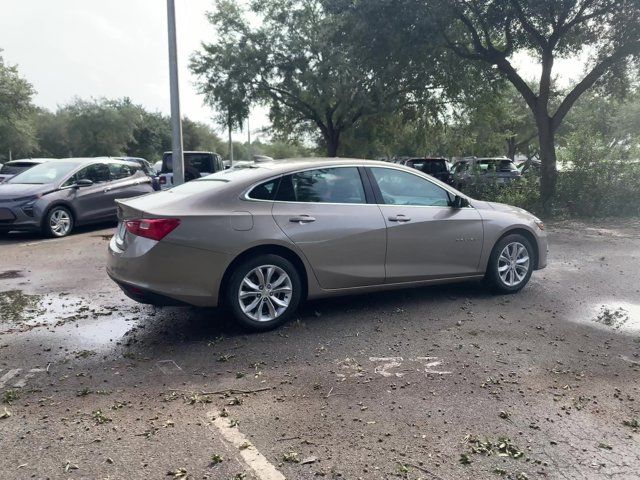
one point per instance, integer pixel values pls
(511, 264)
(264, 292)
(58, 222)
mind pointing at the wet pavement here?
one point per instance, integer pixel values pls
(433, 383)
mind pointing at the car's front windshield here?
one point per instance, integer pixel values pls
(49, 172)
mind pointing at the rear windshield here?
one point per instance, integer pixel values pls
(202, 162)
(15, 168)
(497, 166)
(430, 166)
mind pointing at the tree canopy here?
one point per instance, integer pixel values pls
(17, 130)
(296, 62)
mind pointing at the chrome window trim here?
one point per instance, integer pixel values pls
(245, 195)
(426, 177)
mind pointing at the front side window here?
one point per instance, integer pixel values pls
(403, 188)
(324, 185)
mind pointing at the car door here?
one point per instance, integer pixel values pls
(426, 238)
(325, 213)
(90, 202)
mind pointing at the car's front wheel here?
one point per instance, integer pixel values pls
(58, 222)
(511, 264)
(264, 292)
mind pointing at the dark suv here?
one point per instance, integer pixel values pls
(436, 167)
(484, 171)
(196, 165)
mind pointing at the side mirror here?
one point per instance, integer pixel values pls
(459, 202)
(84, 182)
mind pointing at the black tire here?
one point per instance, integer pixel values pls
(232, 292)
(493, 277)
(47, 227)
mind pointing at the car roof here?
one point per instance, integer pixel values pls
(192, 151)
(89, 160)
(427, 159)
(287, 165)
(30, 160)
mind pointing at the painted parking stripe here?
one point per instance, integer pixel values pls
(8, 376)
(254, 460)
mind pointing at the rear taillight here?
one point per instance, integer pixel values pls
(163, 180)
(153, 228)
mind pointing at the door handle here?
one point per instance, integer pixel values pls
(302, 219)
(107, 189)
(399, 218)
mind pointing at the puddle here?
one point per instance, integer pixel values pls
(621, 316)
(20, 312)
(66, 325)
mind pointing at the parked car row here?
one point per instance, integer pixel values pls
(56, 195)
(472, 171)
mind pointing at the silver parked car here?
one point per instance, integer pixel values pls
(57, 195)
(260, 239)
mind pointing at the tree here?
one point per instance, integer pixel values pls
(198, 136)
(491, 31)
(17, 130)
(295, 61)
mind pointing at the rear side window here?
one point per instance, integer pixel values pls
(324, 185)
(119, 171)
(97, 173)
(434, 166)
(265, 191)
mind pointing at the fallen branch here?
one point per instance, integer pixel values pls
(230, 391)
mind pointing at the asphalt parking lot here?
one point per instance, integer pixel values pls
(431, 383)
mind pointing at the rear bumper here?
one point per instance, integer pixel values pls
(162, 273)
(146, 296)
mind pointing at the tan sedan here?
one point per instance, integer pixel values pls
(262, 238)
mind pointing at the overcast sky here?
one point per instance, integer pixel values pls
(118, 48)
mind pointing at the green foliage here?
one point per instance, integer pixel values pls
(524, 194)
(293, 59)
(115, 128)
(600, 180)
(17, 130)
(596, 180)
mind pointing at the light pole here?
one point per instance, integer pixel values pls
(177, 158)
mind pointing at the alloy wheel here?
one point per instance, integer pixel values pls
(513, 263)
(60, 222)
(265, 293)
